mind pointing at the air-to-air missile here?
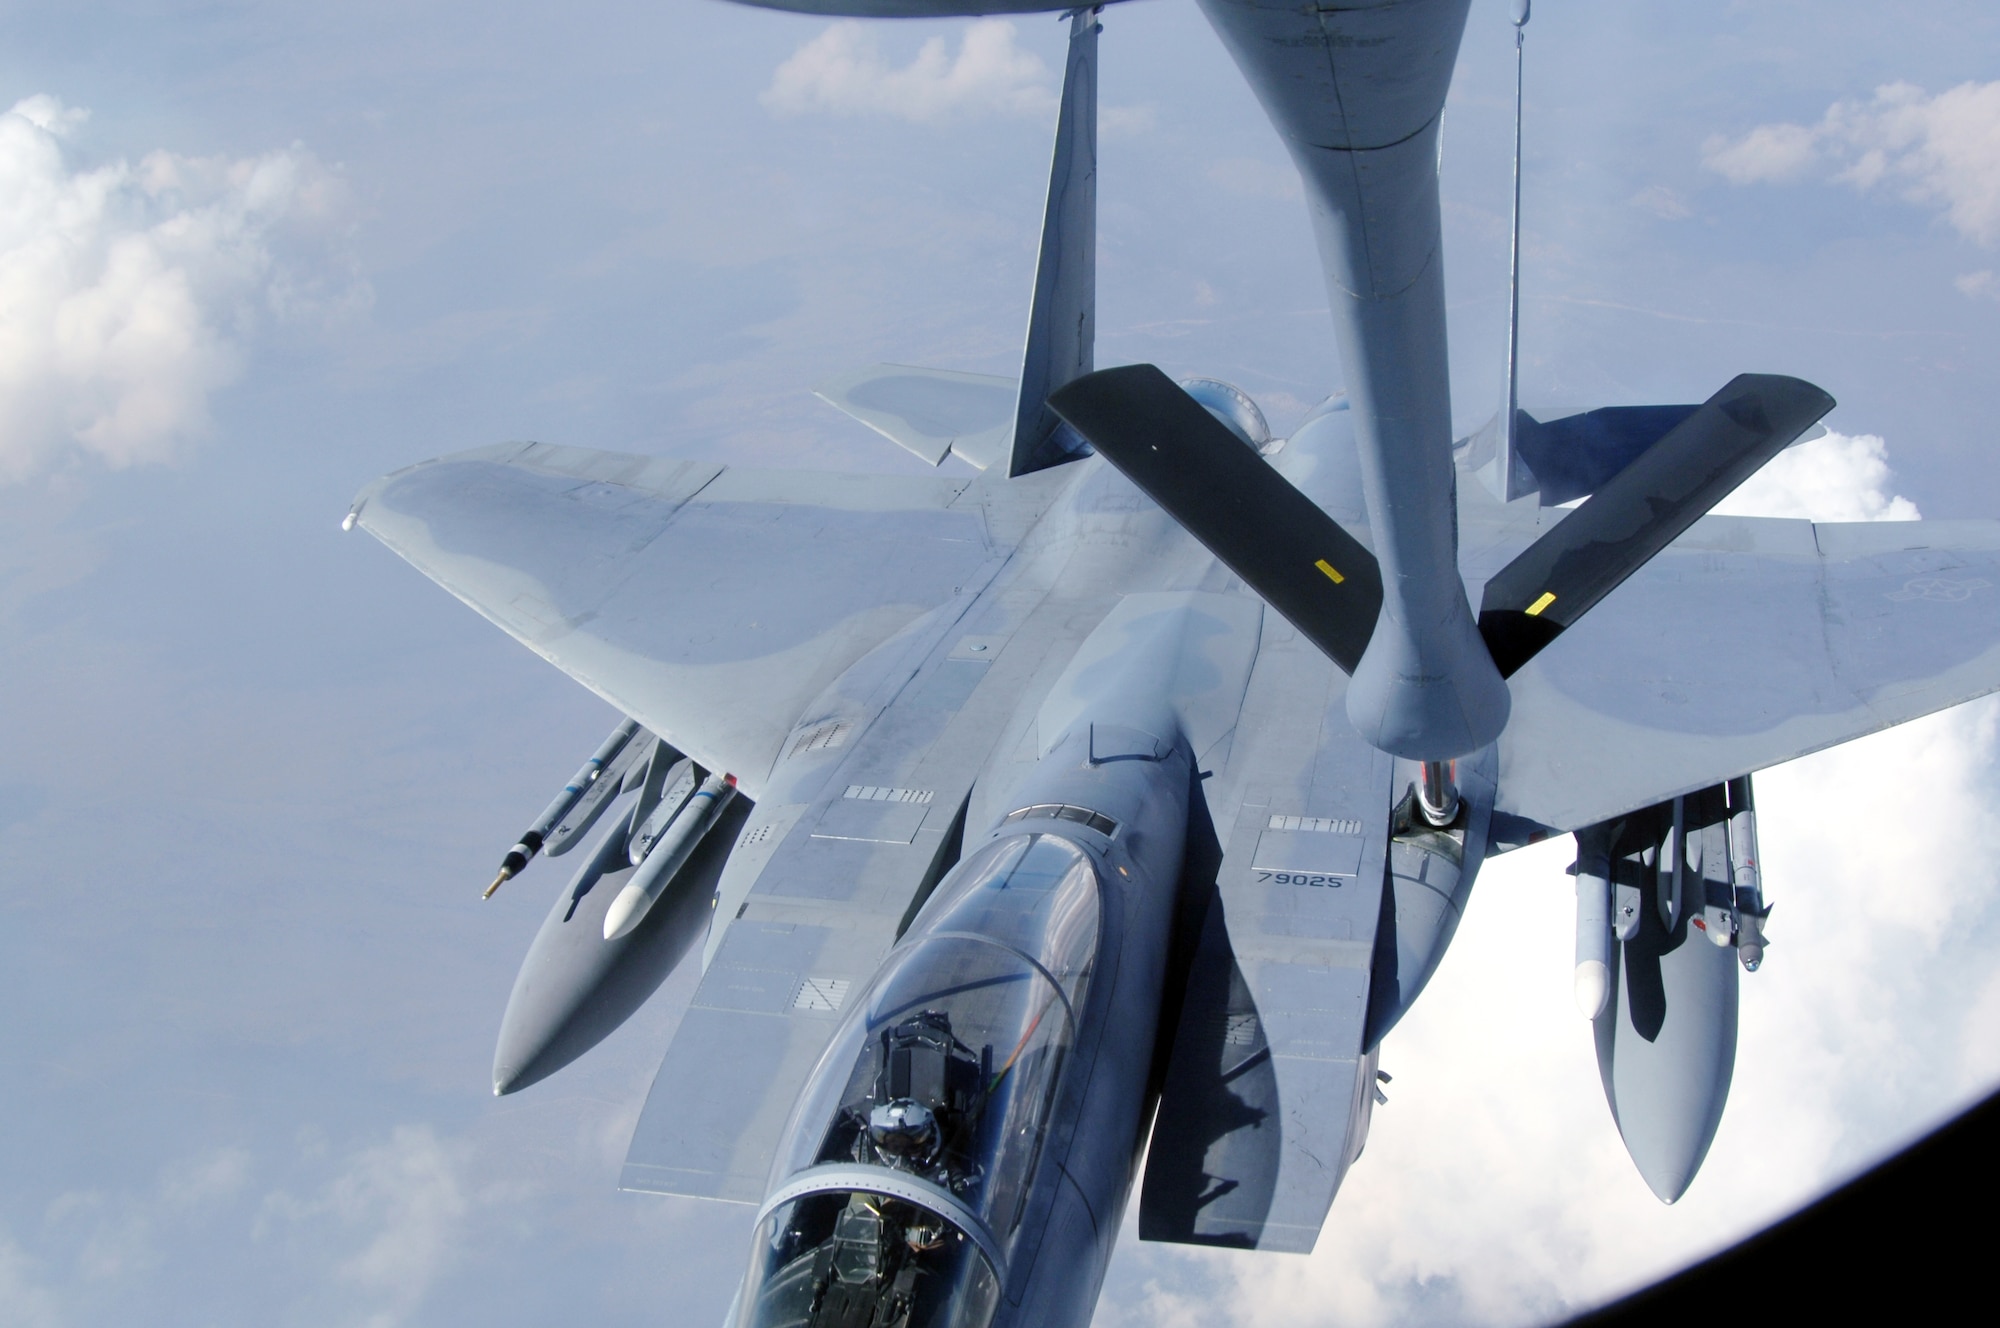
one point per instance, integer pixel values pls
(582, 783)
(1663, 1007)
(607, 942)
(619, 777)
(663, 858)
(1751, 910)
(665, 791)
(1670, 863)
(1593, 920)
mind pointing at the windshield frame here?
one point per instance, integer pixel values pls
(1070, 943)
(850, 1177)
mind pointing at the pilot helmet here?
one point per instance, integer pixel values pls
(904, 1132)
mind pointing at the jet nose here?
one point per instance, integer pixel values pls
(1668, 1159)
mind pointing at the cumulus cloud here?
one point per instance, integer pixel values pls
(24, 1301)
(1494, 1188)
(128, 290)
(1766, 153)
(357, 1236)
(1836, 477)
(1941, 151)
(397, 1209)
(844, 71)
(208, 1179)
(120, 1234)
(1663, 203)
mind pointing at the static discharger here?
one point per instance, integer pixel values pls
(579, 784)
(668, 854)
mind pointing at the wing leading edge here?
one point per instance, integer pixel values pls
(1748, 642)
(712, 604)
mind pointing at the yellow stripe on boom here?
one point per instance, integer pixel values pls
(1535, 609)
(1336, 577)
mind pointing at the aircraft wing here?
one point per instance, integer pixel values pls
(1748, 642)
(931, 413)
(712, 604)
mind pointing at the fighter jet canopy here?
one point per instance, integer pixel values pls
(909, 1165)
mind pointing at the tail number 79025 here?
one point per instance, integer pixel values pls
(1327, 879)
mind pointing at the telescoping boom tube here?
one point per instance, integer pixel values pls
(531, 842)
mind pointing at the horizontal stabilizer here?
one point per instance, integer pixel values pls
(1227, 496)
(931, 413)
(1641, 510)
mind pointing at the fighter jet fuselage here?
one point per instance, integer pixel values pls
(1106, 810)
(972, 1130)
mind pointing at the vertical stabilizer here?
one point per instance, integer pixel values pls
(1062, 323)
(1508, 475)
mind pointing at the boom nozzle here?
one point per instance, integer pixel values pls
(1437, 793)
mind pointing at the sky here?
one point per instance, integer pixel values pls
(253, 772)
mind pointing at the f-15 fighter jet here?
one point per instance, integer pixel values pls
(1111, 807)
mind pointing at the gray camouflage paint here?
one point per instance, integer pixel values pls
(821, 634)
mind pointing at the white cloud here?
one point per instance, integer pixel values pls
(1663, 203)
(1494, 1188)
(1836, 477)
(24, 1301)
(1979, 1039)
(398, 1209)
(1942, 150)
(1766, 153)
(127, 291)
(1977, 284)
(843, 71)
(120, 1233)
(201, 1181)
